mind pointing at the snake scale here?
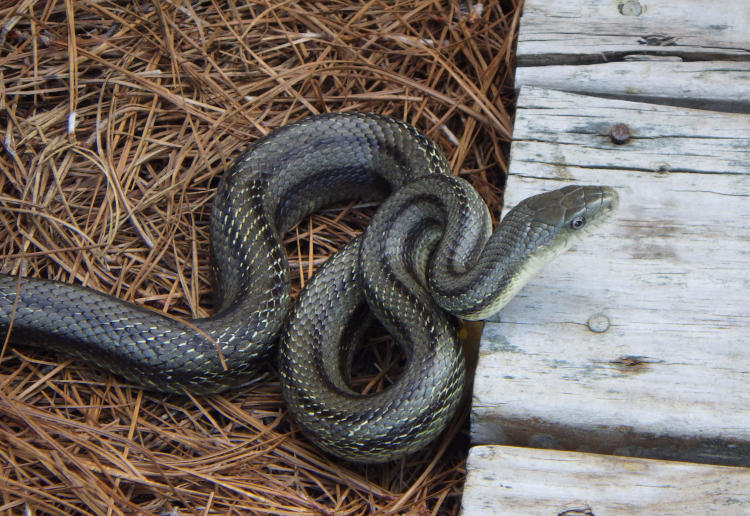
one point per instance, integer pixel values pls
(428, 254)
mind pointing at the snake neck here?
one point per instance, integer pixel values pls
(531, 235)
(513, 254)
(432, 241)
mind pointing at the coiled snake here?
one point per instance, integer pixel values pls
(428, 249)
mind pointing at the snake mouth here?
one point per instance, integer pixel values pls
(610, 199)
(605, 208)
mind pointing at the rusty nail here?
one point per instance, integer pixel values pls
(619, 134)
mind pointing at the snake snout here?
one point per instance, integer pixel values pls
(598, 204)
(604, 198)
(610, 198)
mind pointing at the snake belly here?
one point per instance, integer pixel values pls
(281, 178)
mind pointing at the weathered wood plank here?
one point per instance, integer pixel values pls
(585, 32)
(640, 335)
(720, 85)
(516, 481)
(683, 53)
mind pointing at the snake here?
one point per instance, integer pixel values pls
(427, 258)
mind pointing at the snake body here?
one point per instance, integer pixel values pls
(427, 252)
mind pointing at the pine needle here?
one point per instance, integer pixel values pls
(116, 119)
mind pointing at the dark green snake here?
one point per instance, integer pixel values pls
(428, 251)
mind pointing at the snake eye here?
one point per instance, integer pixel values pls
(578, 222)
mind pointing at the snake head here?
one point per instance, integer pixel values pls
(548, 224)
(565, 215)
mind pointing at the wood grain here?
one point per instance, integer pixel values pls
(505, 481)
(678, 53)
(640, 335)
(718, 85)
(585, 32)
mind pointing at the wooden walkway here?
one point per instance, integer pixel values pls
(637, 341)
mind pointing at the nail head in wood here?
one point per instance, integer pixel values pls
(598, 323)
(619, 134)
(630, 8)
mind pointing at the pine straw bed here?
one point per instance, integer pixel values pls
(117, 119)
